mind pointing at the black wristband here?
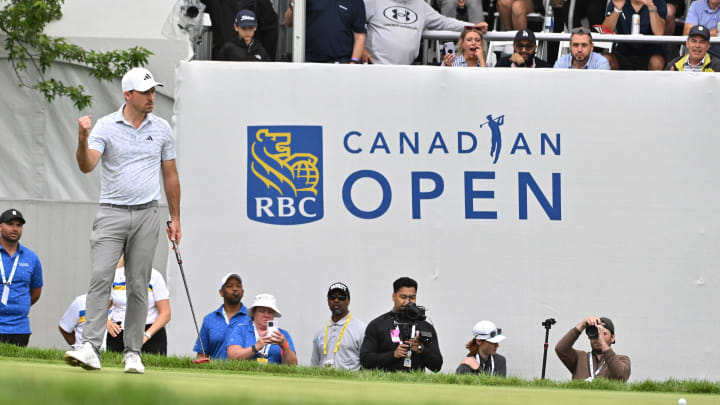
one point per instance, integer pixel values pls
(253, 348)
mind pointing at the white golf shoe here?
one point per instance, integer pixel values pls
(84, 357)
(133, 363)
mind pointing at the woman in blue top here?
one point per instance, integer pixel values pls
(261, 340)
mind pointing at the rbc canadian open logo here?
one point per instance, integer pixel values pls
(285, 182)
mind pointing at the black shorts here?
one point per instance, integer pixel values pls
(632, 61)
(17, 339)
(156, 345)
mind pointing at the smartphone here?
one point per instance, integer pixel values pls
(271, 327)
(449, 47)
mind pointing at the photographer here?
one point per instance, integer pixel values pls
(482, 357)
(401, 340)
(602, 360)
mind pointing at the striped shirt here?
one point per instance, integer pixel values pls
(459, 61)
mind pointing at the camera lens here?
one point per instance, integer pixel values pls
(592, 331)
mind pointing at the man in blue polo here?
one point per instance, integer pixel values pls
(707, 13)
(581, 54)
(21, 280)
(335, 30)
(216, 324)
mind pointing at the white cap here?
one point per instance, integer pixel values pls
(227, 276)
(139, 79)
(264, 300)
(487, 331)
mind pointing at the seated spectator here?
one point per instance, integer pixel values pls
(464, 10)
(158, 314)
(513, 13)
(697, 59)
(257, 340)
(482, 357)
(217, 323)
(71, 324)
(581, 54)
(243, 48)
(222, 16)
(469, 52)
(524, 56)
(707, 13)
(335, 31)
(394, 32)
(637, 56)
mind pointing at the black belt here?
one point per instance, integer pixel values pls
(131, 207)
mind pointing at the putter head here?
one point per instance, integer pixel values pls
(203, 360)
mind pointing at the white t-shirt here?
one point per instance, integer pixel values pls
(74, 319)
(157, 291)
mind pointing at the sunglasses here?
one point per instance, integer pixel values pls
(337, 297)
(581, 30)
(527, 47)
(491, 335)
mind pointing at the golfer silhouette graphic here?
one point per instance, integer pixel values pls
(496, 139)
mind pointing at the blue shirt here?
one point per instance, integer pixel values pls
(14, 316)
(700, 13)
(243, 334)
(214, 331)
(624, 26)
(595, 61)
(330, 27)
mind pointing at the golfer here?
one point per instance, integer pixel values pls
(136, 147)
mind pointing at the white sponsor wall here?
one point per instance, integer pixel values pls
(629, 229)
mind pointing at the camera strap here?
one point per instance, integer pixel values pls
(593, 374)
(264, 352)
(492, 363)
(342, 333)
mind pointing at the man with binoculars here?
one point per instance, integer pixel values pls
(602, 360)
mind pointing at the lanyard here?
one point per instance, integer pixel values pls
(227, 321)
(264, 352)
(337, 346)
(492, 363)
(12, 272)
(590, 363)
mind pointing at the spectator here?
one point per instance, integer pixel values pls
(158, 313)
(637, 56)
(335, 31)
(222, 16)
(243, 48)
(675, 9)
(707, 13)
(21, 280)
(513, 13)
(697, 59)
(524, 47)
(257, 339)
(386, 346)
(581, 54)
(395, 31)
(338, 343)
(469, 52)
(464, 10)
(216, 324)
(482, 357)
(602, 360)
(71, 324)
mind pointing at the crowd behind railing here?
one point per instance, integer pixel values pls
(392, 32)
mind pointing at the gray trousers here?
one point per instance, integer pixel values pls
(118, 231)
(448, 8)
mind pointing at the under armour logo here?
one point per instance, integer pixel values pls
(149, 138)
(147, 76)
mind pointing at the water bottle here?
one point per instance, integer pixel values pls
(635, 24)
(550, 21)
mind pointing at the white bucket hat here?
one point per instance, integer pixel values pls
(264, 300)
(487, 331)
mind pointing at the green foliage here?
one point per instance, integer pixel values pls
(23, 21)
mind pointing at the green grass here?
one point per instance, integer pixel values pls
(36, 376)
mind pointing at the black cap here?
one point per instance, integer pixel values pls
(608, 324)
(525, 35)
(11, 214)
(700, 30)
(339, 287)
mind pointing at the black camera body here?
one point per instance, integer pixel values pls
(591, 331)
(408, 316)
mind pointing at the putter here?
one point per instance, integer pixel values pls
(205, 359)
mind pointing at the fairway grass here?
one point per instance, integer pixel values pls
(42, 382)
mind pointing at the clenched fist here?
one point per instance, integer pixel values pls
(84, 125)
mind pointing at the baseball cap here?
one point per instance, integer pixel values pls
(340, 287)
(245, 18)
(524, 35)
(264, 300)
(700, 30)
(139, 79)
(11, 214)
(608, 323)
(487, 331)
(227, 276)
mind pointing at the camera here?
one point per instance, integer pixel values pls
(591, 331)
(406, 318)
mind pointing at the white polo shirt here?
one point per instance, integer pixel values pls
(157, 291)
(74, 319)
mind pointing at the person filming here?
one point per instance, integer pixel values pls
(601, 361)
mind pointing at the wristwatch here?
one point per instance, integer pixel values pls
(147, 335)
(617, 10)
(253, 348)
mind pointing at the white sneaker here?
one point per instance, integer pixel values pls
(84, 357)
(133, 363)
